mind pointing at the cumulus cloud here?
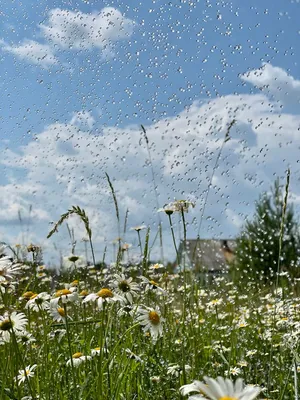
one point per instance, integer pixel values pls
(80, 31)
(276, 82)
(70, 30)
(32, 52)
(67, 163)
(83, 119)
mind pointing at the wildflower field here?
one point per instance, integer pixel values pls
(140, 331)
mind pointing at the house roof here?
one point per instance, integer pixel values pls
(209, 254)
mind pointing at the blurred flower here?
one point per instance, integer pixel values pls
(78, 358)
(152, 285)
(104, 295)
(39, 302)
(73, 261)
(12, 322)
(67, 295)
(138, 228)
(176, 370)
(220, 389)
(8, 270)
(133, 356)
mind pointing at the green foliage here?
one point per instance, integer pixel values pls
(271, 241)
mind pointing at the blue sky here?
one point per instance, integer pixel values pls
(73, 100)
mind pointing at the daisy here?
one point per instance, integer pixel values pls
(151, 320)
(67, 295)
(78, 358)
(138, 228)
(12, 322)
(176, 370)
(73, 261)
(57, 334)
(104, 295)
(39, 302)
(26, 373)
(156, 267)
(8, 270)
(133, 356)
(152, 285)
(57, 313)
(125, 287)
(98, 350)
(220, 389)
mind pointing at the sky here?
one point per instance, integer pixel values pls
(79, 78)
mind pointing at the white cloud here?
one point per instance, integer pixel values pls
(275, 81)
(83, 119)
(69, 30)
(80, 31)
(32, 52)
(67, 164)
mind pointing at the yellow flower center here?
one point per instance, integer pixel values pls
(105, 293)
(228, 398)
(84, 293)
(154, 317)
(33, 296)
(61, 312)
(28, 295)
(6, 325)
(62, 292)
(153, 283)
(77, 355)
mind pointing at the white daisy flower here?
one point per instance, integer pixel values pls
(26, 374)
(156, 267)
(176, 370)
(220, 389)
(78, 358)
(39, 302)
(152, 285)
(98, 350)
(58, 334)
(25, 337)
(104, 295)
(151, 320)
(67, 295)
(138, 228)
(8, 269)
(125, 287)
(133, 356)
(73, 261)
(14, 321)
(57, 313)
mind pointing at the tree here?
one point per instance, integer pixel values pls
(257, 251)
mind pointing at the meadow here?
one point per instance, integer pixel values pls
(141, 331)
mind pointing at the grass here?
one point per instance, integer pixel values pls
(139, 331)
(222, 330)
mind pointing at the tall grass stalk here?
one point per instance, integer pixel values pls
(155, 192)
